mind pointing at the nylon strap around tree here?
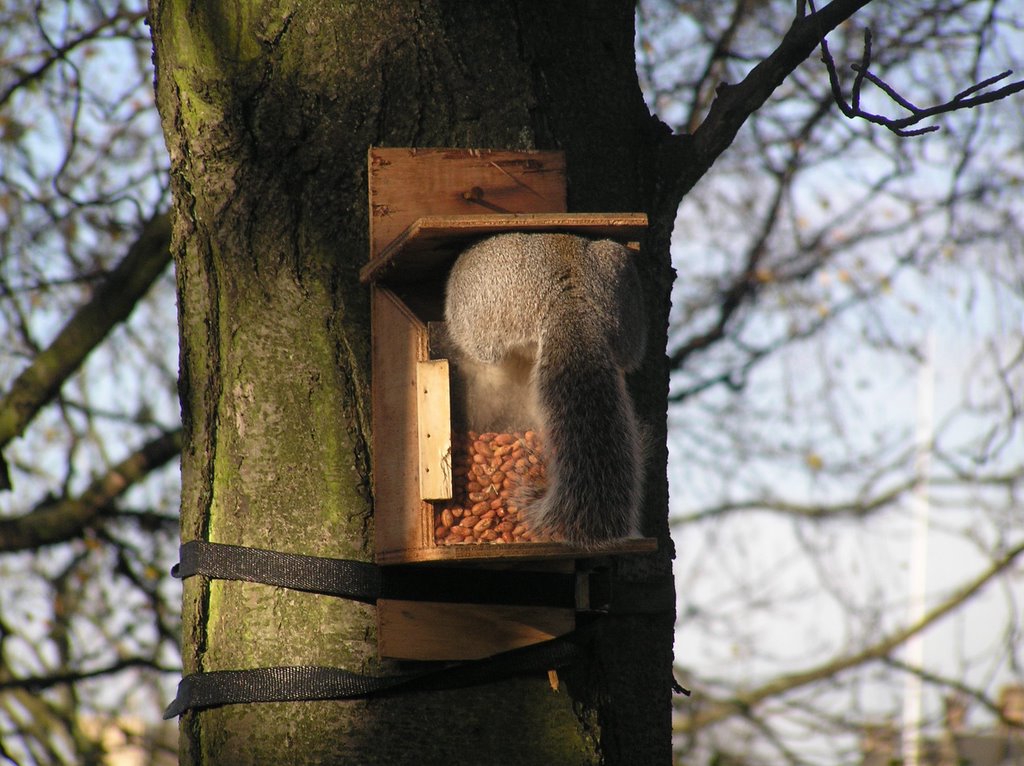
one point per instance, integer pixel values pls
(366, 582)
(352, 580)
(305, 683)
(355, 580)
(362, 581)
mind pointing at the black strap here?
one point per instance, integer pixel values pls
(306, 683)
(361, 581)
(356, 580)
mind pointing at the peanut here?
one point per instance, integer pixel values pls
(488, 468)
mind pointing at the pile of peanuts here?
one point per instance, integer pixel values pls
(487, 469)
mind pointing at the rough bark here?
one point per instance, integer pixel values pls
(268, 110)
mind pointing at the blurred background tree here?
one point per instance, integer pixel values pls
(88, 402)
(849, 351)
(848, 339)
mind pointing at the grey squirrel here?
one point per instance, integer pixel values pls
(544, 326)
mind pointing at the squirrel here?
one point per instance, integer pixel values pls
(544, 327)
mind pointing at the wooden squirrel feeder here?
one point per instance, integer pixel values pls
(426, 206)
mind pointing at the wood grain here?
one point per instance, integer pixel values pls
(431, 243)
(406, 184)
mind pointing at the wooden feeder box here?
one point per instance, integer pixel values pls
(426, 206)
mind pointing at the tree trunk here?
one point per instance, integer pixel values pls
(268, 110)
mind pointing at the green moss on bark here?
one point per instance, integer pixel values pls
(268, 109)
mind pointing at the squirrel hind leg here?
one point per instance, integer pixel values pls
(583, 509)
(593, 453)
(599, 526)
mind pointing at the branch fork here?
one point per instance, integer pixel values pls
(902, 126)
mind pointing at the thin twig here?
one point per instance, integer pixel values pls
(722, 709)
(902, 126)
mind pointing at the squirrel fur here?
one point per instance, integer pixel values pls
(544, 328)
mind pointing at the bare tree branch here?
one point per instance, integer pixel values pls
(959, 687)
(857, 509)
(111, 304)
(57, 521)
(902, 126)
(719, 710)
(705, 82)
(60, 52)
(746, 285)
(39, 683)
(735, 103)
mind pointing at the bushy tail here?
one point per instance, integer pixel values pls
(592, 445)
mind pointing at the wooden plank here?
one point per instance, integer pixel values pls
(402, 520)
(520, 552)
(430, 243)
(425, 630)
(406, 184)
(434, 418)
